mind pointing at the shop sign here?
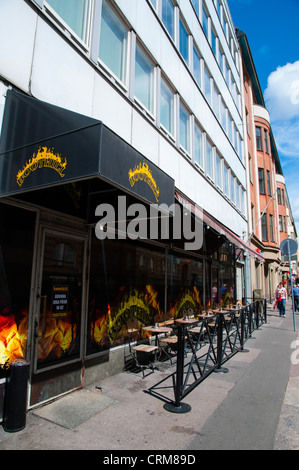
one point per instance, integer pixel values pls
(60, 301)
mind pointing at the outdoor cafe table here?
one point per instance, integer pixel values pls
(183, 321)
(157, 330)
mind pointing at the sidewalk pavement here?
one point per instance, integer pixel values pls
(255, 406)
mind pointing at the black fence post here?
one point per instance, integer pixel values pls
(265, 311)
(219, 326)
(242, 320)
(177, 406)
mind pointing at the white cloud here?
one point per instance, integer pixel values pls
(282, 102)
(286, 135)
(282, 93)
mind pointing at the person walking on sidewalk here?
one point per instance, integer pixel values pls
(296, 297)
(281, 296)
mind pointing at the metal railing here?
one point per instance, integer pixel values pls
(204, 347)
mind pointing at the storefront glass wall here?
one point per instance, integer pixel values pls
(17, 228)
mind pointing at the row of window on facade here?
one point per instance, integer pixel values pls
(282, 219)
(262, 186)
(211, 35)
(166, 11)
(165, 107)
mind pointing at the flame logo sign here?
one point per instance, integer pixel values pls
(142, 172)
(44, 158)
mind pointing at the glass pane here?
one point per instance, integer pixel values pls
(209, 159)
(61, 301)
(223, 115)
(167, 108)
(74, 13)
(16, 254)
(113, 42)
(168, 16)
(232, 189)
(198, 156)
(195, 4)
(205, 22)
(196, 67)
(185, 286)
(118, 297)
(207, 86)
(218, 171)
(184, 43)
(184, 129)
(215, 101)
(214, 42)
(226, 185)
(144, 79)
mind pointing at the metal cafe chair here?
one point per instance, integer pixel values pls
(168, 346)
(140, 351)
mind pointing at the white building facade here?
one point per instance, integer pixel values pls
(163, 77)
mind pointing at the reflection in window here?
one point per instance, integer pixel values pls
(207, 85)
(198, 154)
(168, 16)
(113, 43)
(196, 67)
(218, 171)
(184, 129)
(184, 43)
(167, 108)
(205, 22)
(209, 159)
(75, 13)
(144, 80)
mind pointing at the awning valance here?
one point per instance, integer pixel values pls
(43, 145)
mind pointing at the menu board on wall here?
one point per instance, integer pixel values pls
(60, 301)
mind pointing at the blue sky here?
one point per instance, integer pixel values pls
(271, 27)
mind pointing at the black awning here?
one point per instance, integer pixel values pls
(43, 145)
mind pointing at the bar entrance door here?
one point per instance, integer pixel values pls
(59, 313)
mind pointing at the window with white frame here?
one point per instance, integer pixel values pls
(184, 128)
(214, 42)
(218, 8)
(230, 128)
(226, 179)
(219, 171)
(198, 143)
(195, 4)
(205, 21)
(209, 159)
(75, 14)
(238, 196)
(113, 42)
(216, 96)
(154, 3)
(144, 79)
(221, 58)
(207, 80)
(243, 200)
(167, 107)
(226, 72)
(196, 67)
(168, 16)
(223, 115)
(232, 188)
(184, 42)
